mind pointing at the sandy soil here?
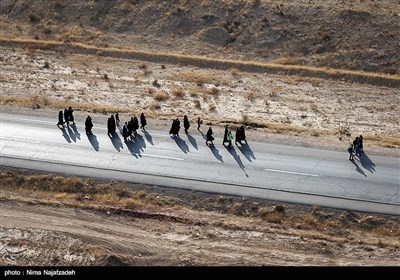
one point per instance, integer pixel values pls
(43, 235)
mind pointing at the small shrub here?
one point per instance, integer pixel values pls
(46, 64)
(156, 84)
(155, 106)
(197, 104)
(142, 66)
(178, 93)
(214, 91)
(160, 96)
(34, 18)
(105, 77)
(280, 208)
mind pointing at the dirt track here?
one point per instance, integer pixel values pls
(68, 236)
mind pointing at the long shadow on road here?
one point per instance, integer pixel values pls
(236, 157)
(181, 144)
(215, 152)
(246, 151)
(93, 141)
(358, 169)
(75, 130)
(65, 134)
(148, 137)
(192, 141)
(367, 163)
(116, 141)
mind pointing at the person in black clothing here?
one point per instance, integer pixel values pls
(117, 119)
(209, 137)
(125, 131)
(88, 125)
(225, 135)
(60, 119)
(135, 124)
(130, 127)
(186, 123)
(66, 116)
(143, 121)
(71, 116)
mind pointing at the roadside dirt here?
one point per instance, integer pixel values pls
(46, 235)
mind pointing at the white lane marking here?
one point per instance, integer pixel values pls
(155, 156)
(290, 172)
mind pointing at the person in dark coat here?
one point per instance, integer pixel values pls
(143, 121)
(135, 124)
(238, 135)
(125, 131)
(60, 119)
(225, 135)
(209, 137)
(242, 134)
(109, 127)
(66, 116)
(88, 125)
(117, 119)
(113, 126)
(70, 115)
(186, 123)
(130, 127)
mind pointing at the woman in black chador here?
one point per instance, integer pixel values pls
(225, 140)
(60, 119)
(210, 138)
(135, 124)
(186, 123)
(143, 121)
(175, 128)
(88, 125)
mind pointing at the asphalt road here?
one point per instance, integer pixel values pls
(269, 171)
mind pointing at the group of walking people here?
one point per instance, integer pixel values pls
(240, 136)
(66, 117)
(356, 148)
(130, 127)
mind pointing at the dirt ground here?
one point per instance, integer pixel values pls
(44, 235)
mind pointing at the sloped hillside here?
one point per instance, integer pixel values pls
(357, 35)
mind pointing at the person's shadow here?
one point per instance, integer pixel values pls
(235, 156)
(367, 163)
(192, 141)
(215, 152)
(93, 141)
(134, 148)
(140, 141)
(358, 169)
(246, 151)
(181, 144)
(65, 134)
(75, 129)
(148, 137)
(71, 134)
(116, 141)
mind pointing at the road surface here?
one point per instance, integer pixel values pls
(263, 170)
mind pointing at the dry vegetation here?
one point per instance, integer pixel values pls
(307, 231)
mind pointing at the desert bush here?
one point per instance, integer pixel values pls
(161, 96)
(178, 93)
(197, 104)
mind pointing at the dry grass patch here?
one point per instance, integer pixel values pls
(197, 104)
(161, 96)
(155, 106)
(213, 91)
(197, 78)
(178, 93)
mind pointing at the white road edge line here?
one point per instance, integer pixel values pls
(291, 172)
(147, 155)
